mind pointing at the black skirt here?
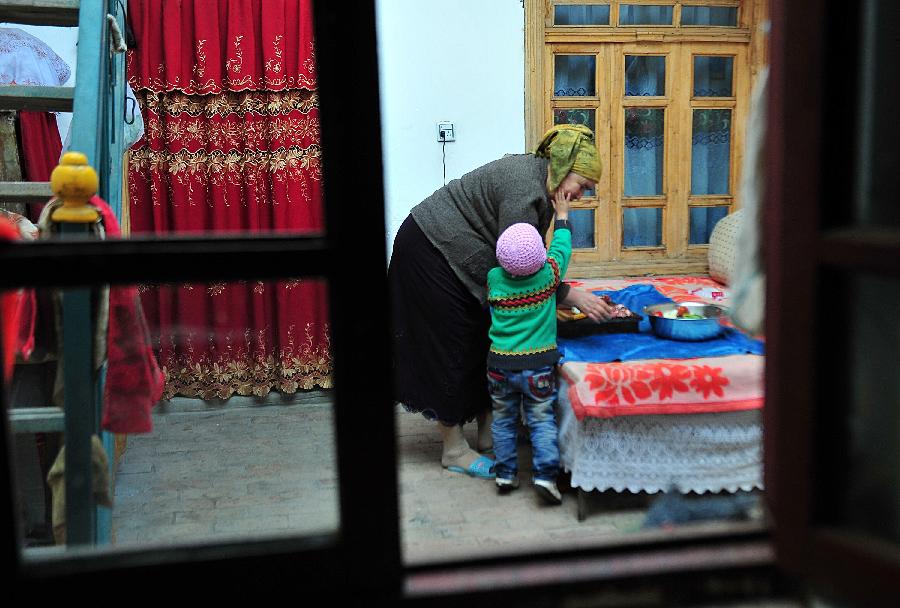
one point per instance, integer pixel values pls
(439, 333)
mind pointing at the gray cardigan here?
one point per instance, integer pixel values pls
(464, 218)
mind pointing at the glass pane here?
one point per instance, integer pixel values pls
(642, 227)
(709, 15)
(703, 220)
(211, 408)
(645, 75)
(713, 76)
(582, 223)
(643, 14)
(574, 76)
(871, 498)
(581, 14)
(877, 129)
(711, 152)
(447, 516)
(644, 148)
(579, 116)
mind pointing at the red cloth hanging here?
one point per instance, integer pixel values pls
(134, 381)
(231, 145)
(9, 309)
(40, 147)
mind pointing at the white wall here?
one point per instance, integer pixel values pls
(456, 60)
(63, 42)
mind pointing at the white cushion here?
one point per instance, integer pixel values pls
(723, 247)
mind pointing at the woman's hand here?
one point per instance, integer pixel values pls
(561, 204)
(594, 307)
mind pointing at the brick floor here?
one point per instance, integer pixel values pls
(250, 468)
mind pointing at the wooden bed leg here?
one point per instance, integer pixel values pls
(582, 506)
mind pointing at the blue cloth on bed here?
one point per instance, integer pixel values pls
(603, 348)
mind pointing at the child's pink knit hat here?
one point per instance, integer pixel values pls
(520, 250)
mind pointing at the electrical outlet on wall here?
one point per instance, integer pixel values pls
(445, 131)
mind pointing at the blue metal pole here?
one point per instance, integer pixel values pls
(90, 76)
(79, 404)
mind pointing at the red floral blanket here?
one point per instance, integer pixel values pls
(664, 386)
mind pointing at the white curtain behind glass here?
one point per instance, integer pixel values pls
(645, 15)
(643, 153)
(574, 75)
(710, 164)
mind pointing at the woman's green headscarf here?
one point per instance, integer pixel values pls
(570, 148)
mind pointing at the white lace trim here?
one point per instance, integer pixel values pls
(27, 60)
(655, 453)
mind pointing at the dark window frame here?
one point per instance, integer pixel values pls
(363, 559)
(364, 556)
(816, 48)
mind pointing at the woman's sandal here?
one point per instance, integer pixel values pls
(482, 467)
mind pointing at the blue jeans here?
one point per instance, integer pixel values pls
(536, 389)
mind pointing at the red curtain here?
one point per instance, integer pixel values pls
(40, 147)
(231, 145)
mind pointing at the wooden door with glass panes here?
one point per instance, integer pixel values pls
(665, 88)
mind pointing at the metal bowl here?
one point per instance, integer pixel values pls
(686, 329)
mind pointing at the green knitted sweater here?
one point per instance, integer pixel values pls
(523, 309)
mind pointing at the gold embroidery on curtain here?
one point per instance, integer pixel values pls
(244, 370)
(223, 104)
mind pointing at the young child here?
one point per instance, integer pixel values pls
(522, 296)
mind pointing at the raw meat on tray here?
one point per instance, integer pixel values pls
(572, 323)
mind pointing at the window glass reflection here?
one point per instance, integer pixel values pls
(709, 15)
(575, 76)
(711, 152)
(201, 412)
(578, 116)
(641, 14)
(642, 227)
(582, 223)
(713, 76)
(581, 14)
(870, 497)
(645, 76)
(703, 220)
(644, 151)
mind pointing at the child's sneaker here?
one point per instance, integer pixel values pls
(505, 485)
(548, 491)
